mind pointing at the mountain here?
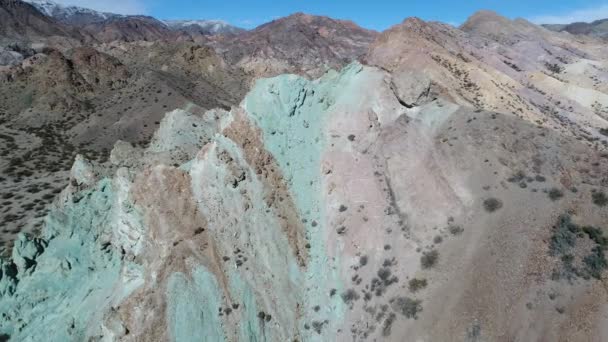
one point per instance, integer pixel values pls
(299, 43)
(501, 65)
(21, 22)
(70, 15)
(205, 27)
(110, 26)
(106, 27)
(129, 29)
(598, 28)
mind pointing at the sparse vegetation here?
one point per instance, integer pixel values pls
(512, 65)
(599, 198)
(554, 67)
(492, 204)
(417, 284)
(388, 323)
(429, 259)
(363, 260)
(564, 241)
(555, 194)
(407, 307)
(455, 230)
(350, 297)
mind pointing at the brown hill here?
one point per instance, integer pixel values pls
(21, 22)
(299, 43)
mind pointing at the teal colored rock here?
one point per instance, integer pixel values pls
(64, 280)
(197, 252)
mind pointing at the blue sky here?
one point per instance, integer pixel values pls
(375, 14)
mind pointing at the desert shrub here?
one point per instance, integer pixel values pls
(363, 260)
(555, 194)
(596, 235)
(417, 284)
(554, 67)
(595, 262)
(48, 197)
(317, 326)
(599, 198)
(564, 236)
(385, 275)
(456, 230)
(406, 306)
(388, 323)
(517, 177)
(350, 296)
(429, 259)
(492, 204)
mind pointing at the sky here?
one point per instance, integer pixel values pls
(372, 14)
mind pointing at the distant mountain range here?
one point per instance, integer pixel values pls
(140, 27)
(72, 15)
(85, 17)
(203, 26)
(20, 22)
(598, 28)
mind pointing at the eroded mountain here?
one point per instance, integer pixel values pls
(300, 43)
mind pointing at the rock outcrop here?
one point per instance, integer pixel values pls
(319, 210)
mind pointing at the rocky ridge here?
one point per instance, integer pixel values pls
(257, 218)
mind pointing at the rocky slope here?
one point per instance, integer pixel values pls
(21, 22)
(300, 43)
(323, 210)
(54, 105)
(129, 29)
(501, 65)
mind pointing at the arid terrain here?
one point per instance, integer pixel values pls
(306, 180)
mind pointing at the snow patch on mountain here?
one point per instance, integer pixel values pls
(69, 14)
(210, 26)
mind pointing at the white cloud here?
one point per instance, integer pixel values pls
(584, 15)
(112, 6)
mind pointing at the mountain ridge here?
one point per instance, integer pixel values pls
(597, 28)
(83, 17)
